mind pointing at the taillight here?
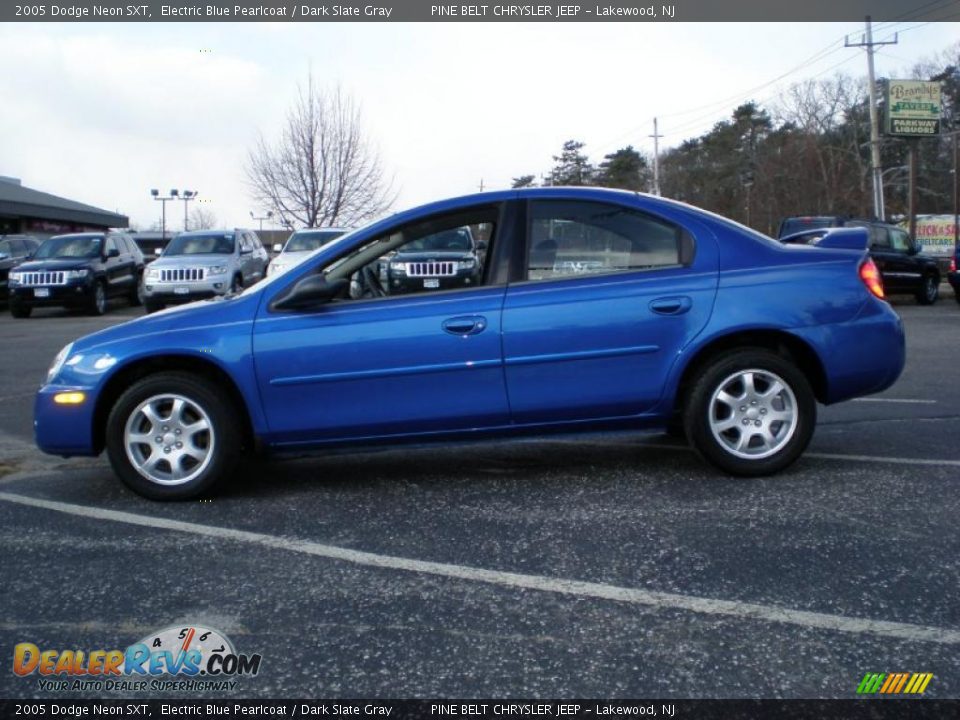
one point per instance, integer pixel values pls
(953, 264)
(871, 277)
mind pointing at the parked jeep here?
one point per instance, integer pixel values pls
(202, 264)
(443, 260)
(81, 270)
(903, 267)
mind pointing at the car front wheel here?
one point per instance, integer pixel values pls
(172, 436)
(751, 412)
(19, 310)
(928, 294)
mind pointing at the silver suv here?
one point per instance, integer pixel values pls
(201, 264)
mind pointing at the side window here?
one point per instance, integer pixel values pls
(111, 244)
(245, 244)
(18, 248)
(443, 253)
(578, 238)
(899, 240)
(879, 237)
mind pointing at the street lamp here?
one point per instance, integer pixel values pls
(187, 196)
(163, 199)
(262, 218)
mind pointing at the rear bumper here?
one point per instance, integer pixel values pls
(954, 279)
(863, 356)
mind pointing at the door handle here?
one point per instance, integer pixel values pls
(465, 325)
(671, 305)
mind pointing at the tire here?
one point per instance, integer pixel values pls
(928, 294)
(98, 301)
(19, 310)
(152, 307)
(136, 295)
(236, 285)
(160, 411)
(722, 443)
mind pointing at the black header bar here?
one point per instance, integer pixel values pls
(437, 11)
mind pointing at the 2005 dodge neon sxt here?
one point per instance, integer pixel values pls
(582, 309)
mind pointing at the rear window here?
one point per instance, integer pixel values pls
(801, 224)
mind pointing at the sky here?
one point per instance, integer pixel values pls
(102, 113)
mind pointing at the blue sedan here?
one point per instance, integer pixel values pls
(582, 310)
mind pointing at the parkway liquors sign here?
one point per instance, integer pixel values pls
(913, 108)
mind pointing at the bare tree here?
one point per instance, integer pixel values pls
(322, 170)
(202, 219)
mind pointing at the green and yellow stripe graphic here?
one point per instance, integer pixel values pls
(894, 683)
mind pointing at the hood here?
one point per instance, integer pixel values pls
(201, 314)
(288, 258)
(427, 255)
(198, 260)
(54, 264)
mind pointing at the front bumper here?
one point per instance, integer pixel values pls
(407, 284)
(64, 429)
(174, 293)
(75, 293)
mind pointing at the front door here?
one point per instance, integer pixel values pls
(405, 351)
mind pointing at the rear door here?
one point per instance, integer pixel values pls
(610, 297)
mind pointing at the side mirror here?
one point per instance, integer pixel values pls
(309, 292)
(482, 246)
(113, 252)
(915, 248)
(277, 247)
(158, 252)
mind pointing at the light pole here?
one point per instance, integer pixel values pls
(262, 218)
(186, 196)
(163, 222)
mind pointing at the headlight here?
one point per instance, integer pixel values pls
(468, 264)
(77, 274)
(217, 270)
(152, 274)
(398, 267)
(58, 362)
(15, 277)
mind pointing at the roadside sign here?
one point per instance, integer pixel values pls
(913, 108)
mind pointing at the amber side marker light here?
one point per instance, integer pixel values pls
(871, 278)
(69, 398)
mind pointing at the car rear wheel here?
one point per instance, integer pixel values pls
(928, 294)
(19, 310)
(236, 285)
(98, 301)
(172, 436)
(751, 412)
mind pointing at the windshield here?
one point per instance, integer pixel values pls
(458, 240)
(70, 246)
(209, 244)
(308, 240)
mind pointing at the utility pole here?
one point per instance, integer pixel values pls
(656, 158)
(867, 42)
(481, 184)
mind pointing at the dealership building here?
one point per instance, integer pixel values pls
(32, 212)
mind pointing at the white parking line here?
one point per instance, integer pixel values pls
(896, 400)
(706, 606)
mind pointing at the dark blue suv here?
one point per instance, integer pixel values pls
(592, 310)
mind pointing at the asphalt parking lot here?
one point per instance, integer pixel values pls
(617, 566)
